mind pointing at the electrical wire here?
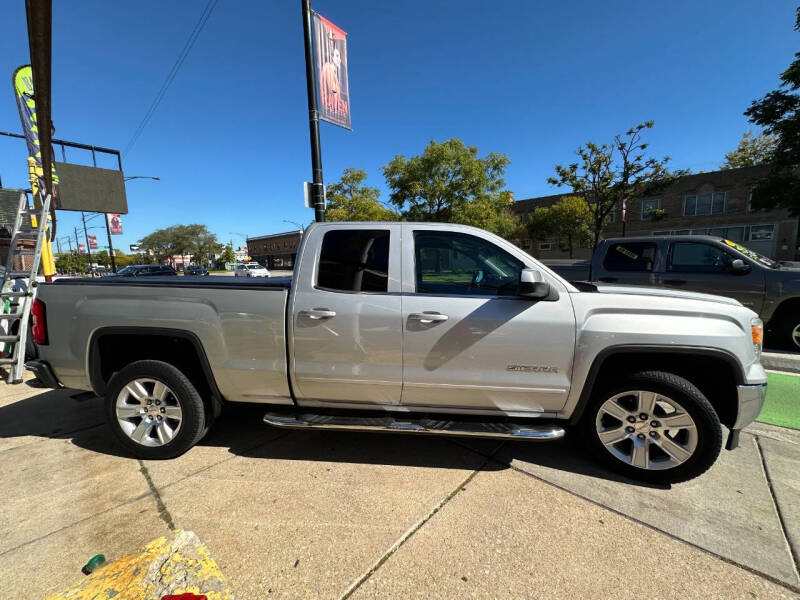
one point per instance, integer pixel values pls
(198, 28)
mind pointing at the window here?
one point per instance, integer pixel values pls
(647, 206)
(630, 256)
(704, 204)
(546, 244)
(525, 244)
(761, 232)
(462, 264)
(354, 260)
(696, 257)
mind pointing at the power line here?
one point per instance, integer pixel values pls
(198, 28)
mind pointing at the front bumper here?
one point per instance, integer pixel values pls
(750, 401)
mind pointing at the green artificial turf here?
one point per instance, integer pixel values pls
(782, 406)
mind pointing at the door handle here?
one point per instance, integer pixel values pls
(675, 281)
(608, 279)
(428, 317)
(317, 313)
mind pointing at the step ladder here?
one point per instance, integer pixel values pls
(18, 287)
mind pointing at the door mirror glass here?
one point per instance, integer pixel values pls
(532, 284)
(738, 266)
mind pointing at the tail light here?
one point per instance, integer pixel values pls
(39, 323)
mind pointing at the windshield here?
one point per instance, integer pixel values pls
(126, 271)
(752, 254)
(254, 267)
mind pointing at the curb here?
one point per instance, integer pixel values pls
(781, 361)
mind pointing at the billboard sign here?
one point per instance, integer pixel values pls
(333, 93)
(114, 223)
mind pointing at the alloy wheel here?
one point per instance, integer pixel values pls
(148, 412)
(646, 429)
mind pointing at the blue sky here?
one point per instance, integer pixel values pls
(531, 79)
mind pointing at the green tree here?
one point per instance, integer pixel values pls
(350, 200)
(449, 182)
(71, 263)
(607, 175)
(752, 150)
(779, 114)
(101, 258)
(228, 255)
(569, 219)
(159, 243)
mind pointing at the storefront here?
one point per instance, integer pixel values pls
(277, 251)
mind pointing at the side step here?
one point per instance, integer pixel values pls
(390, 424)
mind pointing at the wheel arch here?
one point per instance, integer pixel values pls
(112, 348)
(703, 370)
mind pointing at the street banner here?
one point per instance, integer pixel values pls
(23, 91)
(81, 248)
(92, 242)
(333, 94)
(114, 223)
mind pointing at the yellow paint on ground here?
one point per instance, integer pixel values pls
(162, 567)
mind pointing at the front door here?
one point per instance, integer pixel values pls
(346, 322)
(703, 267)
(469, 341)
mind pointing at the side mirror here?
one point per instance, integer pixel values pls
(738, 266)
(532, 284)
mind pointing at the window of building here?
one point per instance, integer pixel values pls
(525, 244)
(648, 205)
(697, 257)
(711, 203)
(761, 232)
(546, 244)
(354, 260)
(462, 264)
(630, 256)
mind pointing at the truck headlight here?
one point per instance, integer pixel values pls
(757, 333)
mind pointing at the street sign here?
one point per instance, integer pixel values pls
(308, 195)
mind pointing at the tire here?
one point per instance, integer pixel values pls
(788, 331)
(651, 451)
(172, 412)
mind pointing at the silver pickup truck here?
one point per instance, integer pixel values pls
(416, 328)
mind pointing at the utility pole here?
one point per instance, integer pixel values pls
(77, 242)
(110, 246)
(88, 248)
(317, 187)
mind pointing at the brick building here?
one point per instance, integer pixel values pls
(716, 203)
(276, 251)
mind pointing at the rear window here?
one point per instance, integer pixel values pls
(630, 256)
(355, 260)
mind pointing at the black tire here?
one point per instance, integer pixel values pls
(708, 428)
(789, 327)
(193, 421)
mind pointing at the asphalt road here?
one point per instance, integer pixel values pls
(347, 515)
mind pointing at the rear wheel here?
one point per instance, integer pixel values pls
(154, 410)
(653, 426)
(789, 331)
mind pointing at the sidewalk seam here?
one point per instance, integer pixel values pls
(792, 551)
(408, 534)
(162, 508)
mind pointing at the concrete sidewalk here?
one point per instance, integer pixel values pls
(338, 515)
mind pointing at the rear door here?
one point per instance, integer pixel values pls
(469, 341)
(705, 267)
(346, 324)
(629, 263)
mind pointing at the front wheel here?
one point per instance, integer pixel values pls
(789, 331)
(154, 410)
(653, 426)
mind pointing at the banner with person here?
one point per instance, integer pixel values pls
(333, 94)
(114, 223)
(92, 241)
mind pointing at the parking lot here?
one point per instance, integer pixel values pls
(339, 515)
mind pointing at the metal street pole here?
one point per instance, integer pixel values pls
(88, 247)
(317, 187)
(77, 242)
(110, 246)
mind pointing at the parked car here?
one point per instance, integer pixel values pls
(250, 270)
(195, 270)
(700, 263)
(416, 328)
(144, 271)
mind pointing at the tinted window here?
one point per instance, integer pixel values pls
(630, 256)
(459, 263)
(693, 257)
(355, 260)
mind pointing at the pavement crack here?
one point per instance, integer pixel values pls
(408, 533)
(795, 554)
(162, 508)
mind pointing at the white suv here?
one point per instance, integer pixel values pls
(251, 270)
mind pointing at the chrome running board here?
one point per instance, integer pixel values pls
(388, 424)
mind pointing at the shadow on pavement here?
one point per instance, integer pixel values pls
(70, 414)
